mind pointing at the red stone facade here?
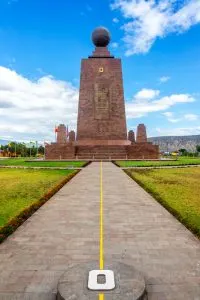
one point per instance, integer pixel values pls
(61, 134)
(101, 124)
(72, 136)
(141, 134)
(131, 136)
(101, 112)
(60, 151)
(143, 151)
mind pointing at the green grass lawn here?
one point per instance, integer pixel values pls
(23, 162)
(179, 162)
(177, 189)
(21, 188)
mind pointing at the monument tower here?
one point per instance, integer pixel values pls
(101, 112)
(101, 122)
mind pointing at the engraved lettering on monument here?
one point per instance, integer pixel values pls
(101, 99)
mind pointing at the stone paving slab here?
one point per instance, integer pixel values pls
(65, 231)
(140, 232)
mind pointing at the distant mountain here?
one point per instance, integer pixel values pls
(174, 143)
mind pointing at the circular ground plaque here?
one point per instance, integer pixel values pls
(79, 283)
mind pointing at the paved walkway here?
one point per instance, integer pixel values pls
(65, 230)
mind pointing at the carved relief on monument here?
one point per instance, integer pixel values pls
(102, 129)
(101, 101)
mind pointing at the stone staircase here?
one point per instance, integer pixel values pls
(101, 152)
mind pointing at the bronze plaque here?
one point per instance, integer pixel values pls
(101, 101)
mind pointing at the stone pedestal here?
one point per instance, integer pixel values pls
(129, 283)
(141, 134)
(61, 134)
(131, 136)
(72, 136)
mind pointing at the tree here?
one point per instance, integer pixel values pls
(198, 148)
(21, 149)
(183, 151)
(41, 150)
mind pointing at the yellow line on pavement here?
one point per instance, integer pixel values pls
(101, 256)
(101, 253)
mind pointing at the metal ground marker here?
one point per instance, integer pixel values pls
(101, 280)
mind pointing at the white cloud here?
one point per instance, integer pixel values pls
(146, 95)
(168, 114)
(191, 117)
(147, 101)
(178, 131)
(30, 109)
(173, 120)
(164, 79)
(115, 20)
(149, 20)
(114, 45)
(170, 117)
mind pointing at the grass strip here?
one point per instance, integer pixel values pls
(31, 163)
(178, 162)
(180, 197)
(18, 220)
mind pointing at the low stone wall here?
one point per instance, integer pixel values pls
(143, 151)
(59, 151)
(70, 151)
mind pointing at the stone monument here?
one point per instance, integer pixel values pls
(141, 134)
(101, 112)
(72, 136)
(61, 134)
(131, 136)
(101, 123)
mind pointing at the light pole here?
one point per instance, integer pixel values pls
(23, 148)
(30, 146)
(36, 148)
(15, 149)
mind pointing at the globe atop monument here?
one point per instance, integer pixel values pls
(101, 37)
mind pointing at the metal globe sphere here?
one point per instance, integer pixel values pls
(101, 37)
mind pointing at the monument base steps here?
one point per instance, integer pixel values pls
(101, 152)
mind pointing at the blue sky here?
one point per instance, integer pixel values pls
(42, 43)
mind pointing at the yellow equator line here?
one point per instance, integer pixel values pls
(101, 252)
